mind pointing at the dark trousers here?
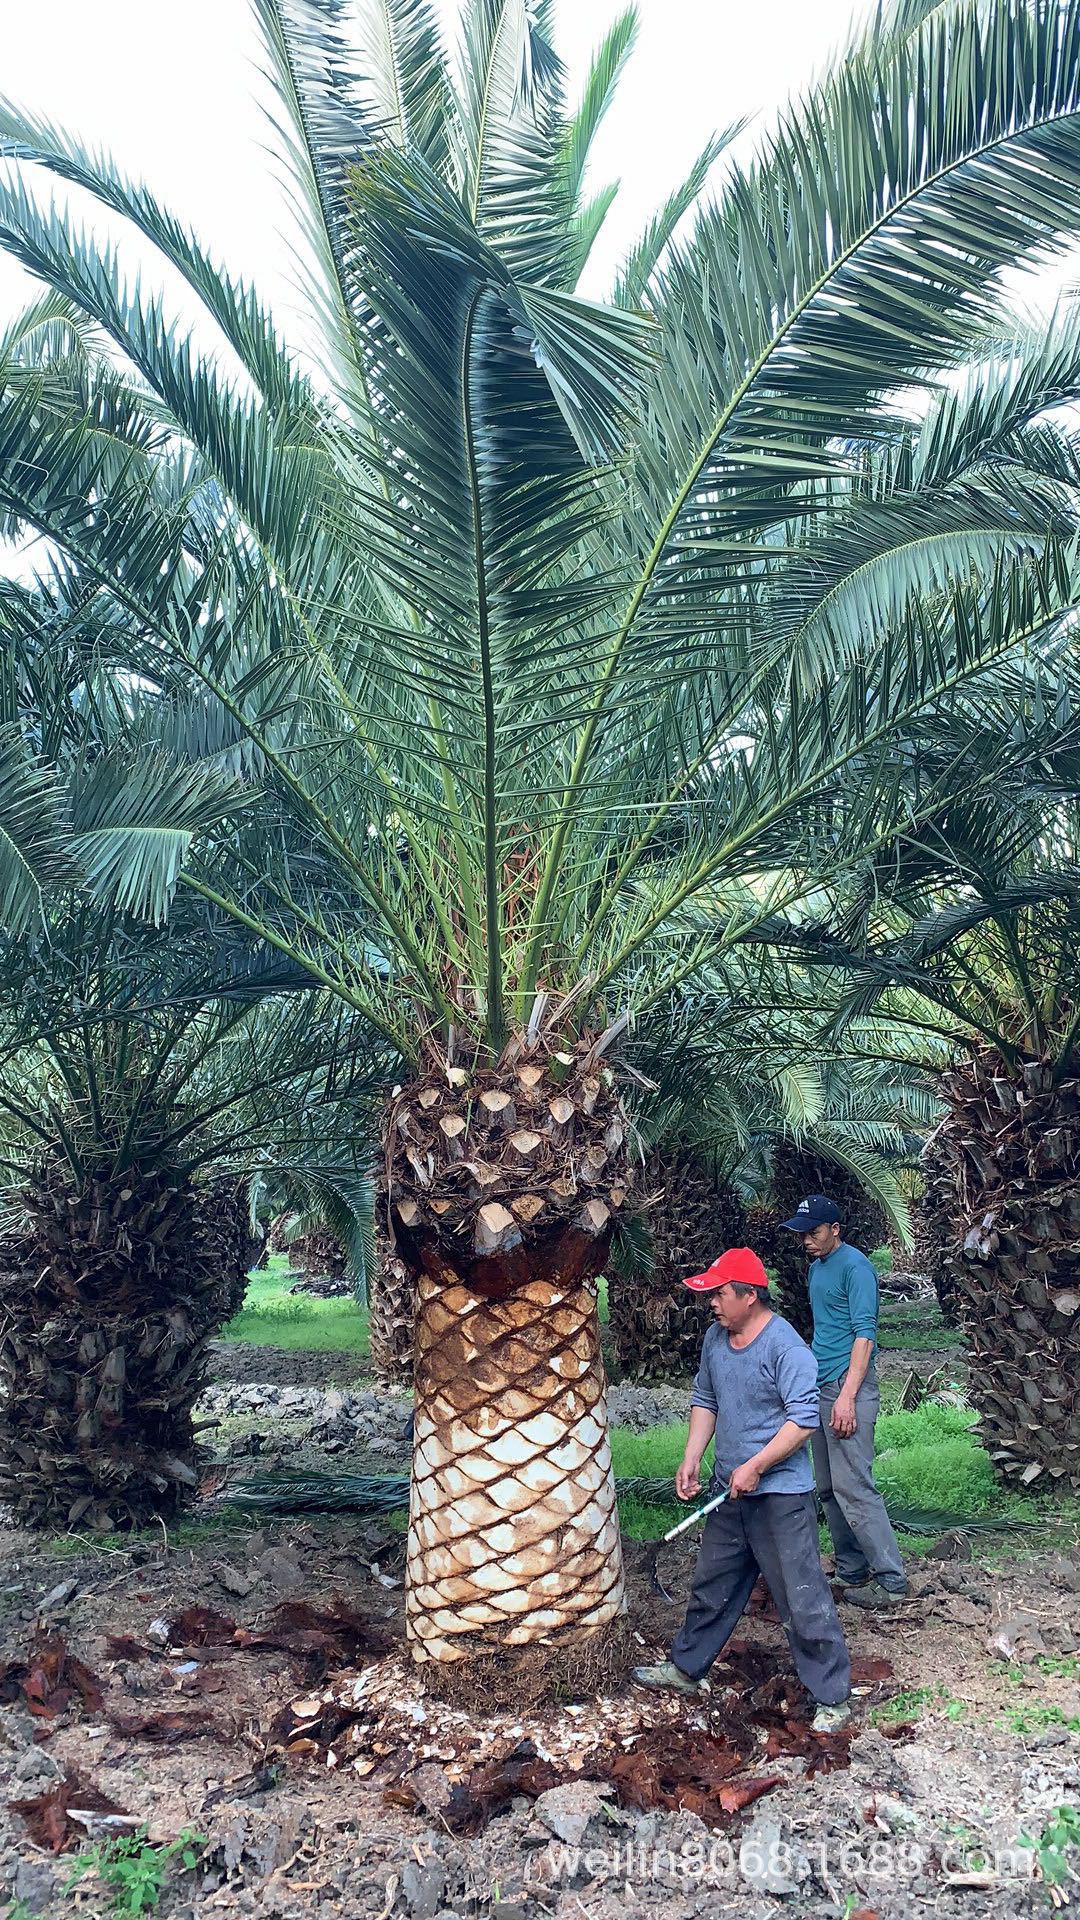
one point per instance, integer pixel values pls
(855, 1513)
(774, 1534)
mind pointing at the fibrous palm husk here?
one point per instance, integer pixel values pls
(796, 1174)
(230, 1246)
(503, 1183)
(656, 1325)
(320, 1258)
(1003, 1196)
(391, 1313)
(928, 1253)
(107, 1311)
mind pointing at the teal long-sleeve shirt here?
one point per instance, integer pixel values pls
(844, 1302)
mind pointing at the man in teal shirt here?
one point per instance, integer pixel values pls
(844, 1303)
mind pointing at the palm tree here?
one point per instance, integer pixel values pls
(987, 981)
(742, 1114)
(545, 630)
(132, 1132)
(863, 1131)
(145, 1078)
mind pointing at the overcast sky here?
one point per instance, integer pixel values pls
(175, 94)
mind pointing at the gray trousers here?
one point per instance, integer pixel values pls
(855, 1513)
(774, 1534)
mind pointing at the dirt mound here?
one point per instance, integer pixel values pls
(234, 1363)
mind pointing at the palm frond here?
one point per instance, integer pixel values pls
(637, 270)
(405, 76)
(605, 71)
(133, 822)
(33, 853)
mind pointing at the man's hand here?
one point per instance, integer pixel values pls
(842, 1418)
(687, 1483)
(744, 1479)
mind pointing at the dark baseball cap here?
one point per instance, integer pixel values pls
(817, 1210)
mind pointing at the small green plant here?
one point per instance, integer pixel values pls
(1054, 1666)
(133, 1871)
(19, 1910)
(1058, 1666)
(903, 1706)
(1061, 1832)
(1038, 1716)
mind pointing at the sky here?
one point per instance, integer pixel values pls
(175, 95)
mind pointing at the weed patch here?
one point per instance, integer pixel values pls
(133, 1872)
(912, 1702)
(271, 1316)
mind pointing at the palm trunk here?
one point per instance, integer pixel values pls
(320, 1258)
(503, 1183)
(1003, 1198)
(656, 1326)
(514, 1533)
(795, 1174)
(104, 1331)
(928, 1252)
(391, 1314)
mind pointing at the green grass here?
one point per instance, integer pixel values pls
(656, 1454)
(271, 1316)
(930, 1458)
(915, 1324)
(177, 1534)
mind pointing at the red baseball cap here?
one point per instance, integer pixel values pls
(739, 1265)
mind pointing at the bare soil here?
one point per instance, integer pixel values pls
(234, 1363)
(286, 1834)
(284, 1722)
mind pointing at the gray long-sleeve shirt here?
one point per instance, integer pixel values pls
(752, 1391)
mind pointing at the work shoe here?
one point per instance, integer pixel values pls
(667, 1677)
(874, 1597)
(831, 1719)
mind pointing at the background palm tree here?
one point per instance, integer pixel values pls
(145, 1078)
(990, 977)
(569, 646)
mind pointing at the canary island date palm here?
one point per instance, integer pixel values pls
(133, 1131)
(742, 1112)
(992, 977)
(517, 621)
(145, 1076)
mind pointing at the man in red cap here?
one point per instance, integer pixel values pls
(756, 1397)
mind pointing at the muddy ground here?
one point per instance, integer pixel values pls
(248, 1682)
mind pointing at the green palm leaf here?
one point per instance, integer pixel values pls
(33, 853)
(133, 823)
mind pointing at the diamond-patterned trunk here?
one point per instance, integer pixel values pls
(514, 1535)
(503, 1183)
